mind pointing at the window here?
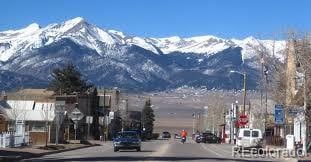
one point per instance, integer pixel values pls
(246, 133)
(255, 133)
(37, 127)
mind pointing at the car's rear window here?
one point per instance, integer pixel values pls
(255, 134)
(246, 133)
(127, 135)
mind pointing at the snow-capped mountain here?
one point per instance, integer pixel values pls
(112, 58)
(77, 29)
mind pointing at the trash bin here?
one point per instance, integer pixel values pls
(290, 142)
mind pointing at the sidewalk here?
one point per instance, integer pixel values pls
(15, 154)
(306, 158)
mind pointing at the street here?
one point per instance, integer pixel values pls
(158, 150)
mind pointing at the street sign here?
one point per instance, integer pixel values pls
(101, 120)
(76, 115)
(111, 115)
(89, 119)
(278, 114)
(243, 120)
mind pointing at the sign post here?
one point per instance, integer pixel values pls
(89, 120)
(75, 116)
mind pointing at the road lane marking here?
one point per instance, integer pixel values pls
(202, 145)
(223, 149)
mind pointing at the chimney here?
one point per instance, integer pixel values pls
(4, 96)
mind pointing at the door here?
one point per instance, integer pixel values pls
(255, 139)
(3, 124)
(246, 139)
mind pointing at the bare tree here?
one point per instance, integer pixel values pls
(216, 109)
(17, 111)
(303, 55)
(16, 114)
(47, 115)
(124, 114)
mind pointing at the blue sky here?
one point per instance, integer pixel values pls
(162, 18)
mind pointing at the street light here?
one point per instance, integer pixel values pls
(244, 87)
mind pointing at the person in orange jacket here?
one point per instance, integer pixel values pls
(183, 134)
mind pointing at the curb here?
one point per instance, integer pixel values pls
(9, 159)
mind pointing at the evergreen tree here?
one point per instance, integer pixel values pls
(68, 80)
(148, 119)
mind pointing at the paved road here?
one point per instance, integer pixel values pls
(160, 150)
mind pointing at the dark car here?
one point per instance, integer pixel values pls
(198, 139)
(210, 138)
(127, 140)
(177, 136)
(166, 135)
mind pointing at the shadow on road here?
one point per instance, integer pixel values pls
(141, 158)
(14, 153)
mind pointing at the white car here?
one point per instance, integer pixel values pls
(248, 138)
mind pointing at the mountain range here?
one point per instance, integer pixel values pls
(110, 58)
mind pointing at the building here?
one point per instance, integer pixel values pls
(109, 99)
(31, 116)
(87, 104)
(40, 110)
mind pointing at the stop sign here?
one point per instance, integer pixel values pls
(243, 120)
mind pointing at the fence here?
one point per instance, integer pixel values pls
(9, 139)
(275, 140)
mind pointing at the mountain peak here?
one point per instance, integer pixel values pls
(76, 20)
(33, 26)
(30, 28)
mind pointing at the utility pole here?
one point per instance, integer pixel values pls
(244, 87)
(193, 120)
(231, 123)
(304, 128)
(261, 91)
(206, 117)
(224, 128)
(266, 99)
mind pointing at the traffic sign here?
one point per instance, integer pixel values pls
(279, 114)
(89, 119)
(76, 115)
(243, 120)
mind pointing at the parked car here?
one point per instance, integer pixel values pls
(210, 138)
(127, 140)
(249, 138)
(177, 136)
(198, 139)
(166, 135)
